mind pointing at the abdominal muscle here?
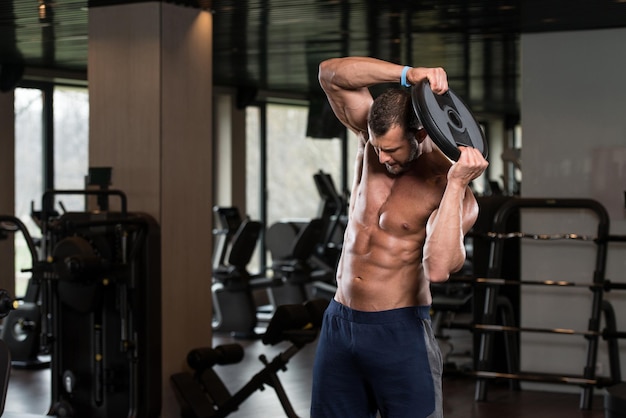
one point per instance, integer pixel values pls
(379, 271)
(381, 263)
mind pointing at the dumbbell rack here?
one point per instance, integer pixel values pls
(588, 379)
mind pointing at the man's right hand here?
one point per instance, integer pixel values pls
(437, 78)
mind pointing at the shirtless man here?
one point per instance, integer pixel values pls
(410, 208)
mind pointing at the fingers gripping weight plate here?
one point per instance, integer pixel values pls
(448, 121)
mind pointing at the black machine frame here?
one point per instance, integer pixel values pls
(493, 282)
(101, 301)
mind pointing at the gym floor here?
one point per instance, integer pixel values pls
(29, 391)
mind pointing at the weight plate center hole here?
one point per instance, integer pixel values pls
(455, 118)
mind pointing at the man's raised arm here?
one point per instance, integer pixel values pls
(346, 82)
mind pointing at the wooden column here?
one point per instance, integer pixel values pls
(7, 187)
(150, 84)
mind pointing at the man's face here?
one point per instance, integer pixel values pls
(395, 149)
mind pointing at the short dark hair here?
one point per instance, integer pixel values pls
(393, 107)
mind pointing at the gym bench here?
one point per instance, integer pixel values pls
(202, 393)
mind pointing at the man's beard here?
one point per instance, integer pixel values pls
(403, 167)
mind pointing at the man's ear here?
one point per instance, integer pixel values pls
(420, 135)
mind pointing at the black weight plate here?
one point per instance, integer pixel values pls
(448, 121)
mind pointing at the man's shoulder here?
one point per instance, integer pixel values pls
(434, 163)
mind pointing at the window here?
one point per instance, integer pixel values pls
(292, 160)
(68, 165)
(253, 161)
(29, 161)
(71, 143)
(284, 181)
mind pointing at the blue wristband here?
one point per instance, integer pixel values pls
(403, 82)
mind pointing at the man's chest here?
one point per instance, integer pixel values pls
(400, 206)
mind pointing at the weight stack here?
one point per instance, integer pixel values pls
(615, 401)
(102, 296)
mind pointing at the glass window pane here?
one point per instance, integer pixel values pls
(28, 174)
(253, 162)
(253, 176)
(71, 143)
(293, 159)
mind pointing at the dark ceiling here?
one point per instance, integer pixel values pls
(275, 45)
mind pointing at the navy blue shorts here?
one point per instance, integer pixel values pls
(369, 362)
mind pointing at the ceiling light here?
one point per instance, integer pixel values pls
(507, 7)
(43, 10)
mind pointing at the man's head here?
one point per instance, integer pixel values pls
(394, 130)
